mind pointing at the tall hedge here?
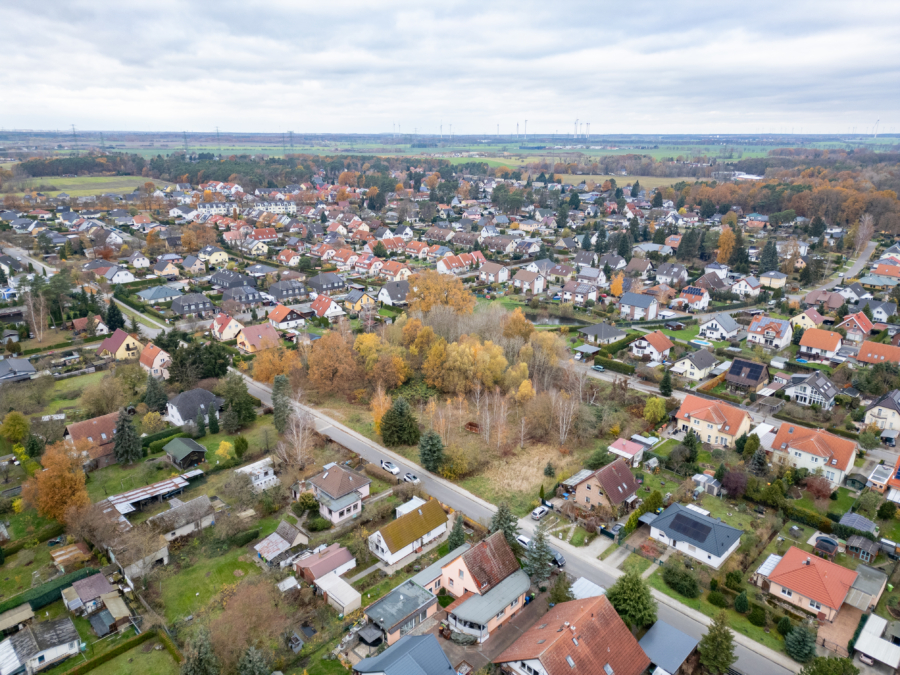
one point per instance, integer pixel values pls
(615, 366)
(45, 594)
(613, 347)
(165, 433)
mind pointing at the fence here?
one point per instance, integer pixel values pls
(643, 554)
(833, 647)
(74, 373)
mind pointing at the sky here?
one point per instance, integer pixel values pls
(361, 67)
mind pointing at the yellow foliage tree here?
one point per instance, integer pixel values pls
(615, 286)
(224, 449)
(62, 483)
(726, 245)
(525, 392)
(490, 363)
(432, 181)
(368, 346)
(424, 340)
(517, 325)
(433, 368)
(273, 361)
(379, 405)
(430, 288)
(514, 377)
(730, 219)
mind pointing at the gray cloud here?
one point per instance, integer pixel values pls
(349, 66)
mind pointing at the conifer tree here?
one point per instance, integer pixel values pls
(561, 590)
(199, 658)
(720, 472)
(741, 604)
(457, 536)
(717, 646)
(538, 556)
(253, 663)
(154, 396)
(127, 446)
(240, 446)
(758, 465)
(114, 318)
(201, 424)
(800, 644)
(665, 386)
(398, 426)
(230, 421)
(431, 451)
(631, 598)
(213, 421)
(768, 259)
(504, 521)
(281, 402)
(34, 447)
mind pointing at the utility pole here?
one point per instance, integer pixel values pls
(102, 145)
(219, 142)
(291, 134)
(526, 130)
(186, 151)
(283, 146)
(74, 137)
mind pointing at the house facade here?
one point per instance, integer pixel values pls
(340, 492)
(656, 346)
(715, 422)
(636, 307)
(695, 534)
(814, 449)
(409, 533)
(774, 334)
(719, 328)
(695, 366)
(818, 344)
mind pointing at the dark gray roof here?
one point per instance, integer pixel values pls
(260, 269)
(817, 381)
(725, 321)
(187, 513)
(407, 599)
(37, 637)
(189, 403)
(858, 522)
(671, 269)
(398, 290)
(667, 647)
(637, 300)
(603, 331)
(708, 534)
(230, 279)
(10, 368)
(326, 279)
(159, 293)
(702, 359)
(890, 400)
(183, 304)
(411, 655)
(243, 294)
(889, 308)
(287, 287)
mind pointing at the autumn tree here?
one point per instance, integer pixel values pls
(379, 405)
(332, 365)
(196, 236)
(102, 398)
(61, 485)
(726, 245)
(516, 325)
(199, 658)
(615, 286)
(15, 427)
(430, 288)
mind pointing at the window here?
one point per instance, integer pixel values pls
(587, 500)
(786, 593)
(451, 583)
(815, 605)
(514, 603)
(588, 486)
(462, 574)
(500, 613)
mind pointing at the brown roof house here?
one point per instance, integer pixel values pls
(80, 326)
(747, 376)
(578, 636)
(323, 560)
(252, 339)
(99, 433)
(612, 486)
(409, 533)
(340, 492)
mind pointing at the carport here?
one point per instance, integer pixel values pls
(872, 644)
(889, 437)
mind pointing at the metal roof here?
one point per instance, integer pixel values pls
(579, 477)
(433, 571)
(482, 608)
(407, 599)
(123, 502)
(870, 642)
(667, 647)
(706, 533)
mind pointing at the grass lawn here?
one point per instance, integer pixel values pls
(143, 659)
(385, 586)
(52, 336)
(260, 435)
(378, 486)
(844, 501)
(737, 622)
(665, 447)
(686, 334)
(127, 311)
(608, 552)
(82, 186)
(636, 562)
(194, 586)
(26, 523)
(19, 568)
(579, 537)
(79, 382)
(318, 666)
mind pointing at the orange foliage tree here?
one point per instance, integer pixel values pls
(726, 245)
(431, 288)
(274, 360)
(61, 485)
(332, 365)
(615, 286)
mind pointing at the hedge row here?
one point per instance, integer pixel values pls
(64, 345)
(165, 433)
(118, 650)
(43, 595)
(157, 446)
(615, 366)
(139, 307)
(808, 517)
(844, 433)
(613, 347)
(169, 645)
(845, 532)
(862, 624)
(49, 532)
(243, 538)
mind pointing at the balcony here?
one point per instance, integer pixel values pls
(468, 628)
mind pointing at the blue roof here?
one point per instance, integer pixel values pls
(411, 655)
(667, 647)
(159, 293)
(708, 534)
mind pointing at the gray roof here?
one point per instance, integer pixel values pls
(667, 647)
(411, 655)
(858, 522)
(10, 368)
(159, 293)
(260, 269)
(433, 571)
(671, 269)
(179, 448)
(287, 287)
(37, 637)
(889, 400)
(817, 381)
(774, 275)
(637, 300)
(188, 403)
(726, 321)
(397, 290)
(603, 331)
(92, 587)
(702, 359)
(407, 599)
(482, 608)
(190, 261)
(187, 513)
(708, 534)
(869, 580)
(183, 303)
(229, 279)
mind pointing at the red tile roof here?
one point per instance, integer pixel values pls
(816, 442)
(113, 342)
(659, 341)
(93, 430)
(79, 325)
(813, 577)
(860, 320)
(874, 352)
(825, 340)
(490, 561)
(149, 354)
(262, 336)
(321, 304)
(723, 415)
(617, 481)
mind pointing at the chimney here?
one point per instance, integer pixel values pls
(807, 561)
(572, 628)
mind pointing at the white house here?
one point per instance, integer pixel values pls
(696, 365)
(692, 297)
(720, 327)
(690, 530)
(184, 518)
(493, 273)
(812, 389)
(282, 317)
(39, 646)
(138, 260)
(636, 307)
(262, 474)
(184, 408)
(718, 268)
(118, 275)
(529, 282)
(746, 287)
(409, 533)
(814, 449)
(771, 333)
(819, 344)
(656, 345)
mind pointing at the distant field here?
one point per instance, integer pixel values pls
(91, 185)
(651, 182)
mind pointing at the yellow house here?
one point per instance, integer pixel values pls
(715, 422)
(121, 346)
(808, 319)
(773, 279)
(356, 300)
(213, 255)
(255, 248)
(165, 269)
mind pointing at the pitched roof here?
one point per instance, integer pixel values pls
(185, 514)
(580, 636)
(113, 342)
(81, 324)
(760, 324)
(325, 561)
(321, 304)
(816, 338)
(743, 371)
(637, 300)
(280, 313)
(189, 403)
(814, 577)
(702, 359)
(617, 480)
(874, 352)
(149, 354)
(92, 587)
(659, 341)
(99, 430)
(836, 451)
(814, 316)
(706, 533)
(179, 448)
(261, 335)
(490, 561)
(860, 319)
(726, 321)
(413, 525)
(603, 331)
(337, 481)
(410, 655)
(725, 416)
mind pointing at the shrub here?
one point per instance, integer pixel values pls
(716, 598)
(243, 538)
(713, 584)
(157, 446)
(785, 626)
(741, 604)
(318, 524)
(757, 616)
(733, 580)
(307, 502)
(681, 580)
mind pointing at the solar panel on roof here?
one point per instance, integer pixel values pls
(690, 528)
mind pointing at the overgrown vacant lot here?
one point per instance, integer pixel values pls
(83, 186)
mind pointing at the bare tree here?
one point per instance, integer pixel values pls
(477, 391)
(294, 448)
(367, 316)
(864, 232)
(36, 310)
(564, 409)
(500, 404)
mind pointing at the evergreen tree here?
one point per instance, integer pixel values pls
(398, 426)
(561, 590)
(868, 312)
(635, 189)
(213, 421)
(127, 447)
(817, 227)
(34, 447)
(431, 451)
(253, 663)
(720, 472)
(586, 242)
(806, 276)
(457, 536)
(234, 391)
(631, 598)
(154, 396)
(798, 335)
(623, 247)
(665, 386)
(231, 423)
(2, 556)
(600, 244)
(240, 446)
(538, 556)
(135, 328)
(657, 200)
(550, 470)
(800, 644)
(739, 260)
(114, 318)
(768, 259)
(201, 424)
(830, 665)
(504, 521)
(741, 604)
(199, 658)
(281, 402)
(717, 646)
(785, 626)
(739, 443)
(758, 465)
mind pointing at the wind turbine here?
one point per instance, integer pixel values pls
(875, 130)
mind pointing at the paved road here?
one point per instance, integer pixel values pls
(26, 258)
(752, 657)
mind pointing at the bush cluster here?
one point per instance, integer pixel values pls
(718, 599)
(681, 580)
(318, 524)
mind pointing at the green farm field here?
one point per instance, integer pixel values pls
(83, 186)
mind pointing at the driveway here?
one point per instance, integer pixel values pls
(841, 630)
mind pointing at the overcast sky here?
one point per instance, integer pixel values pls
(342, 66)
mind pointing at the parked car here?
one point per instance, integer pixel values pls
(411, 478)
(539, 512)
(390, 467)
(557, 559)
(599, 369)
(615, 529)
(523, 540)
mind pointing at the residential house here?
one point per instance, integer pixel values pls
(492, 273)
(287, 290)
(184, 518)
(578, 636)
(631, 452)
(655, 346)
(282, 318)
(409, 533)
(712, 282)
(830, 299)
(814, 449)
(117, 275)
(401, 610)
(639, 267)
(99, 433)
(159, 294)
(615, 262)
(368, 265)
(261, 473)
(695, 366)
(748, 287)
(340, 492)
(591, 275)
(184, 408)
(812, 389)
(884, 413)
(280, 547)
(80, 326)
(808, 319)
(289, 257)
(185, 452)
(120, 345)
(579, 293)
(820, 345)
(720, 327)
(672, 274)
(695, 534)
(530, 283)
(327, 282)
(225, 327)
(773, 279)
(411, 654)
(356, 301)
(858, 327)
(323, 306)
(89, 592)
(854, 293)
(193, 264)
(602, 334)
(612, 486)
(253, 339)
(813, 584)
(559, 274)
(393, 293)
(193, 304)
(692, 298)
(747, 376)
(875, 352)
(165, 269)
(213, 255)
(138, 260)
(395, 271)
(541, 267)
(225, 279)
(585, 259)
(638, 307)
(155, 361)
(40, 646)
(324, 560)
(775, 334)
(715, 422)
(718, 269)
(242, 295)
